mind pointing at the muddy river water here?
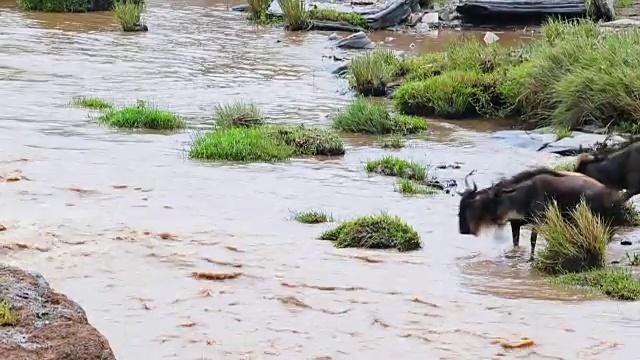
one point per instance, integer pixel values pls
(72, 218)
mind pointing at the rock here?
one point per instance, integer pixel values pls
(49, 325)
(334, 36)
(545, 141)
(490, 38)
(240, 8)
(358, 40)
(622, 24)
(393, 14)
(341, 71)
(604, 10)
(414, 19)
(431, 18)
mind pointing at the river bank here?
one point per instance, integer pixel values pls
(97, 204)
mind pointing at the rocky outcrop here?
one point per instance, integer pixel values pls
(44, 325)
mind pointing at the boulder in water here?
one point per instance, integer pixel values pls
(39, 323)
(544, 140)
(358, 40)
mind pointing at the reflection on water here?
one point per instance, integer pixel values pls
(119, 221)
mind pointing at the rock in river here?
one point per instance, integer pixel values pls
(47, 324)
(544, 140)
(358, 40)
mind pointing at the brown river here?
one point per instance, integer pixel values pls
(92, 203)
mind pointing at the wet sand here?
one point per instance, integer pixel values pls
(93, 202)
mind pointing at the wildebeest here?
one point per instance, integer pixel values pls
(619, 170)
(524, 197)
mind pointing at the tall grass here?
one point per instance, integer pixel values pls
(238, 113)
(128, 13)
(366, 116)
(296, 17)
(257, 8)
(573, 245)
(370, 73)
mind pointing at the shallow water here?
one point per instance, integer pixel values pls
(297, 298)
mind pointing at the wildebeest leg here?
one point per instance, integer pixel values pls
(633, 183)
(534, 239)
(515, 231)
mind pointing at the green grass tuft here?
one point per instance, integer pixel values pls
(572, 246)
(393, 141)
(411, 187)
(393, 166)
(238, 114)
(91, 103)
(614, 282)
(374, 232)
(61, 6)
(8, 316)
(128, 13)
(567, 166)
(296, 17)
(141, 116)
(371, 72)
(367, 116)
(334, 15)
(265, 143)
(312, 217)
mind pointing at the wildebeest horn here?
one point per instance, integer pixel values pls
(475, 187)
(466, 180)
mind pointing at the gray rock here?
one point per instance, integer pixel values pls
(544, 141)
(490, 38)
(334, 36)
(414, 19)
(358, 40)
(431, 18)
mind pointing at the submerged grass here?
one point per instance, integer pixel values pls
(128, 13)
(394, 166)
(8, 317)
(91, 103)
(367, 116)
(411, 187)
(576, 74)
(381, 231)
(616, 283)
(393, 141)
(141, 116)
(574, 245)
(312, 217)
(265, 143)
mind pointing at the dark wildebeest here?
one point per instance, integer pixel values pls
(524, 197)
(619, 170)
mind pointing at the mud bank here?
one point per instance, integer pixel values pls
(40, 323)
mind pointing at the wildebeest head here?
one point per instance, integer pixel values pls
(583, 161)
(473, 211)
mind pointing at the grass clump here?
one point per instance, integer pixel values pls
(616, 283)
(128, 13)
(62, 6)
(7, 315)
(334, 15)
(240, 144)
(91, 103)
(142, 116)
(575, 74)
(574, 245)
(410, 187)
(296, 17)
(381, 231)
(264, 143)
(371, 72)
(393, 166)
(394, 141)
(367, 116)
(312, 217)
(238, 114)
(451, 95)
(631, 214)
